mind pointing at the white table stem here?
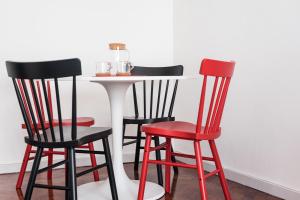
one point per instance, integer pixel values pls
(127, 188)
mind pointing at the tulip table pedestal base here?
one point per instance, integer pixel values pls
(101, 191)
(127, 189)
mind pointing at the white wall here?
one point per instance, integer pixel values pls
(42, 30)
(260, 137)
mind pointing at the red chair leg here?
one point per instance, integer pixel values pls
(167, 167)
(50, 162)
(93, 161)
(200, 170)
(23, 166)
(144, 168)
(221, 174)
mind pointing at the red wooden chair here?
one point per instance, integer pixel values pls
(81, 121)
(221, 72)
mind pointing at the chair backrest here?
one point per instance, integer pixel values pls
(30, 74)
(220, 72)
(156, 71)
(40, 100)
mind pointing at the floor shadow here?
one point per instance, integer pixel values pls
(173, 188)
(50, 192)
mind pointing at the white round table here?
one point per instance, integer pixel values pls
(116, 87)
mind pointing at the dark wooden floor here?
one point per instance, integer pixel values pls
(184, 187)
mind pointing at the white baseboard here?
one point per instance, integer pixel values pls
(253, 182)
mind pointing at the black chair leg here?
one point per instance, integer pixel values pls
(67, 165)
(33, 174)
(110, 170)
(137, 149)
(124, 130)
(175, 169)
(72, 174)
(158, 157)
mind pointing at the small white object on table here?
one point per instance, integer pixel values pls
(116, 87)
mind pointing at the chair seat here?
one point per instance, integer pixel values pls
(178, 129)
(84, 135)
(142, 120)
(81, 121)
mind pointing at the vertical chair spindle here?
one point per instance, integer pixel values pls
(58, 110)
(165, 98)
(30, 109)
(38, 109)
(48, 109)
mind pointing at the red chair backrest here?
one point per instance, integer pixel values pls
(221, 72)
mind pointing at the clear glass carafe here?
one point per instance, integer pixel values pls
(120, 56)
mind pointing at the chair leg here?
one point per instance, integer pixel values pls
(20, 194)
(67, 193)
(124, 131)
(137, 149)
(221, 174)
(167, 167)
(144, 168)
(50, 192)
(111, 176)
(67, 172)
(158, 157)
(50, 162)
(72, 174)
(93, 161)
(23, 166)
(33, 174)
(200, 170)
(175, 168)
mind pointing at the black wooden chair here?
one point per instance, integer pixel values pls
(68, 137)
(156, 112)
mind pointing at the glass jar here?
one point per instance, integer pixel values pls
(119, 56)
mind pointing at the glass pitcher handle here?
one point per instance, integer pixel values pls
(130, 66)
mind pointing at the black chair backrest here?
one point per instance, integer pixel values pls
(156, 71)
(24, 74)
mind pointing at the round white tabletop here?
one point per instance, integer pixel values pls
(116, 87)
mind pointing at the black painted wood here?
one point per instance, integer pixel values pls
(156, 111)
(45, 69)
(110, 169)
(33, 174)
(156, 71)
(25, 76)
